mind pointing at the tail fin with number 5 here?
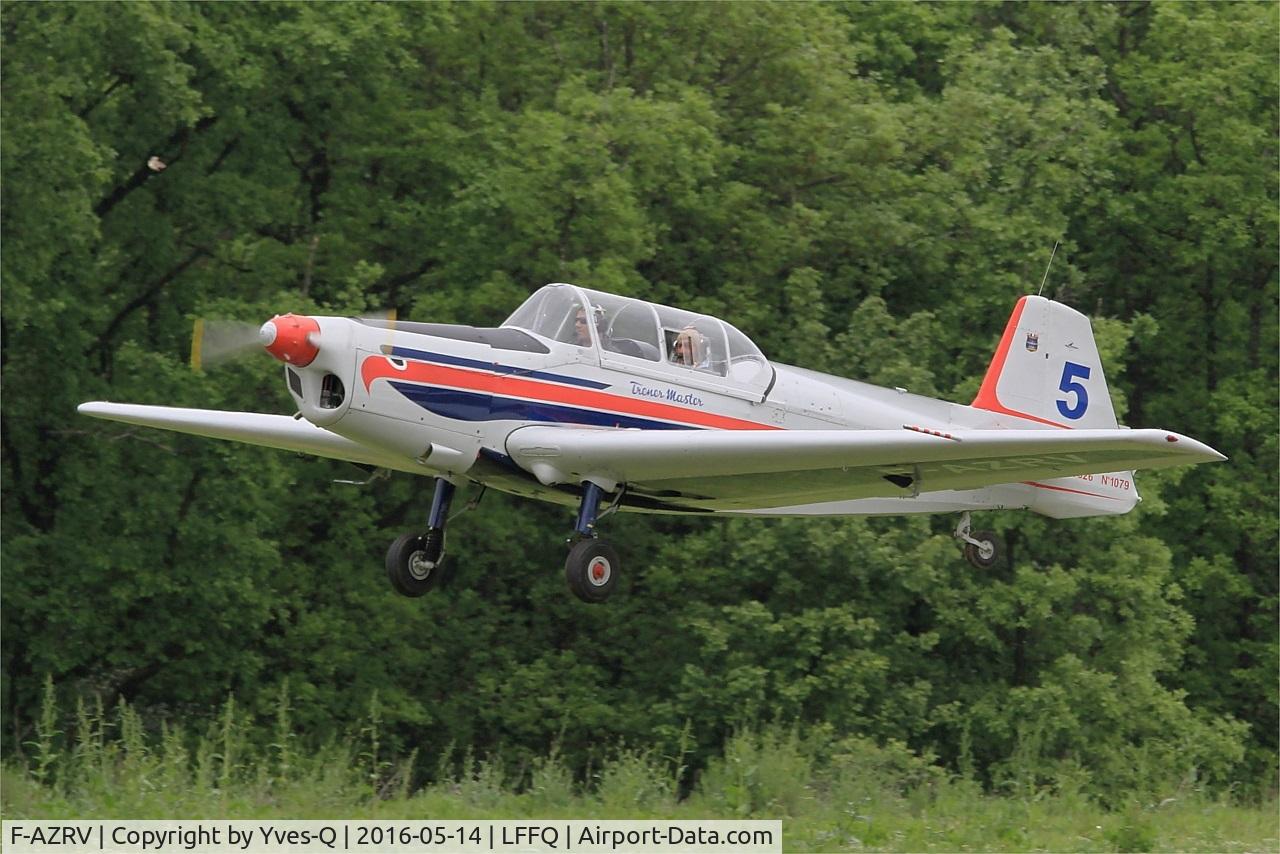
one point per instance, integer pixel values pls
(1047, 370)
(1046, 373)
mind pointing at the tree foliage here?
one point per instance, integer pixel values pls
(863, 188)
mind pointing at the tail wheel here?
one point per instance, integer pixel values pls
(591, 570)
(986, 552)
(413, 562)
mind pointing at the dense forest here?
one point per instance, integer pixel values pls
(863, 188)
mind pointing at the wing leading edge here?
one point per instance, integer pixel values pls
(254, 428)
(771, 468)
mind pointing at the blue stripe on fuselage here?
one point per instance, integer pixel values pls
(469, 406)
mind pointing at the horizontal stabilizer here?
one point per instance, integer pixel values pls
(254, 428)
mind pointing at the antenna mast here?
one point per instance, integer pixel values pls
(1047, 266)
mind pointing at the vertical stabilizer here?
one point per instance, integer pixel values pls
(1047, 369)
(1047, 373)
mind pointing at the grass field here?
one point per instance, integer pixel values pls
(856, 797)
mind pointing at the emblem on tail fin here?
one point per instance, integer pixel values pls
(1033, 342)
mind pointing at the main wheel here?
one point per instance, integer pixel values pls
(413, 563)
(591, 570)
(986, 553)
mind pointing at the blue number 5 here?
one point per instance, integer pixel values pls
(1070, 372)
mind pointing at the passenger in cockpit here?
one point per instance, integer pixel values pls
(690, 349)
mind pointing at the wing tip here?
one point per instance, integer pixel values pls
(1193, 446)
(93, 408)
(1186, 446)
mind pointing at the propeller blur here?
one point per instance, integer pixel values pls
(215, 342)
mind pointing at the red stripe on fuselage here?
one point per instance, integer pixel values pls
(1075, 491)
(380, 367)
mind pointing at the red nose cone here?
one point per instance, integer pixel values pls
(291, 338)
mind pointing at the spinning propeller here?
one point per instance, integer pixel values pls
(291, 338)
(215, 342)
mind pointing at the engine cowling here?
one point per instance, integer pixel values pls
(291, 338)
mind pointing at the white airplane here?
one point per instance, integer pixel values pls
(606, 403)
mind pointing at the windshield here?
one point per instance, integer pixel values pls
(554, 312)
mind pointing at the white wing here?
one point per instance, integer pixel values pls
(271, 431)
(750, 468)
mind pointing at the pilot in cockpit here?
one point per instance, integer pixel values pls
(581, 332)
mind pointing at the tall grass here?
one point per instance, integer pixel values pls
(832, 794)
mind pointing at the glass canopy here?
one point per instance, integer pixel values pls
(682, 344)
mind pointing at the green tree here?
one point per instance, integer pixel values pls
(863, 188)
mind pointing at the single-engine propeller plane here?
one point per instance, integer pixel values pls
(606, 403)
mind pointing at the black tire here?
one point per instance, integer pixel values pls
(986, 555)
(410, 566)
(591, 570)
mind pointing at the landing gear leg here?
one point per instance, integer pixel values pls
(413, 561)
(592, 566)
(981, 548)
